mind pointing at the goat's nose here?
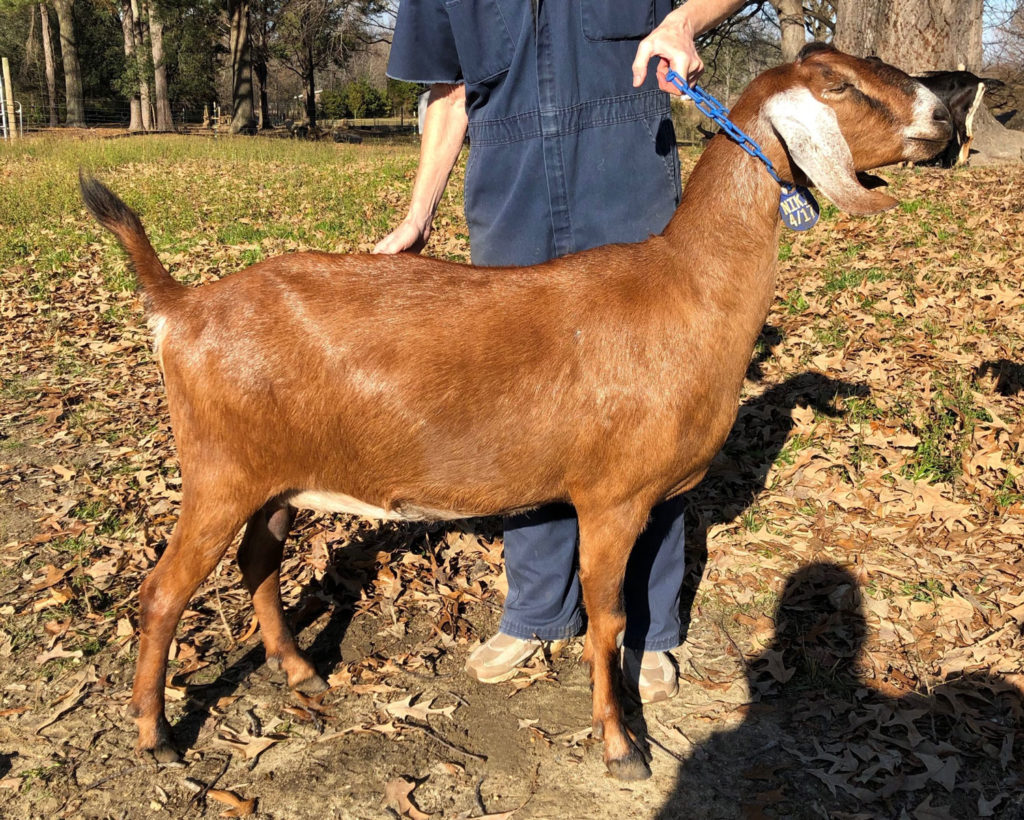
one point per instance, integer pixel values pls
(941, 114)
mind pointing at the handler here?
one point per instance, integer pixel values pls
(571, 147)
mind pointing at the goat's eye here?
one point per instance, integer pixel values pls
(837, 89)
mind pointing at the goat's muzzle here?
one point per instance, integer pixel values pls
(931, 129)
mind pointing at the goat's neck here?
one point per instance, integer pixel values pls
(728, 191)
(728, 218)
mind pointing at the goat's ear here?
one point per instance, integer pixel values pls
(810, 131)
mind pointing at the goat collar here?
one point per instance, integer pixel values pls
(797, 206)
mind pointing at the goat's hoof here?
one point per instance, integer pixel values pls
(630, 767)
(298, 672)
(313, 685)
(162, 751)
(165, 753)
(156, 741)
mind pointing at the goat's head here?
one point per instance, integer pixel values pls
(828, 115)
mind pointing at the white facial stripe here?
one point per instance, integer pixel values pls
(924, 109)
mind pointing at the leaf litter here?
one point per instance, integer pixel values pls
(880, 433)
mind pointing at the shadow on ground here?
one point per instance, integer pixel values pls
(818, 742)
(1009, 375)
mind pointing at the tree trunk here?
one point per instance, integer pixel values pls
(261, 71)
(72, 70)
(128, 32)
(31, 46)
(791, 21)
(993, 142)
(933, 35)
(241, 67)
(143, 64)
(51, 73)
(310, 89)
(164, 121)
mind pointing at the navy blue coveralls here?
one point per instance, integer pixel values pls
(564, 155)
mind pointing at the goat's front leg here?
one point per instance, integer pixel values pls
(606, 539)
(259, 558)
(196, 545)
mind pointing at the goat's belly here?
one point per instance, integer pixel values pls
(327, 502)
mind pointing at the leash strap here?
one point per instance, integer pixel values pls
(797, 206)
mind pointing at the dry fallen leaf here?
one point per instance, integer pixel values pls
(398, 791)
(249, 747)
(57, 653)
(404, 708)
(238, 806)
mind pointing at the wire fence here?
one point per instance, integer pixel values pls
(115, 114)
(107, 113)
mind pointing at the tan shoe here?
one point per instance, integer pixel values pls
(500, 657)
(651, 675)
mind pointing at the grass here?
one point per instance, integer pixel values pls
(795, 303)
(197, 197)
(929, 590)
(945, 432)
(1011, 492)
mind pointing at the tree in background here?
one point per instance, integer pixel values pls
(776, 30)
(739, 49)
(357, 99)
(938, 35)
(51, 84)
(128, 83)
(791, 27)
(261, 22)
(143, 69)
(403, 97)
(164, 121)
(1005, 47)
(192, 52)
(309, 35)
(240, 50)
(364, 100)
(72, 69)
(39, 52)
(101, 51)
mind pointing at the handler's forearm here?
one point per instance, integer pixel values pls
(704, 15)
(673, 38)
(444, 130)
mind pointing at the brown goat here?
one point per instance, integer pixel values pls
(402, 387)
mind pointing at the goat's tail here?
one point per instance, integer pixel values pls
(157, 284)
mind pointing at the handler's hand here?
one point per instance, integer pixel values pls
(672, 41)
(408, 236)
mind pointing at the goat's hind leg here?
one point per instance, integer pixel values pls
(606, 539)
(198, 542)
(259, 558)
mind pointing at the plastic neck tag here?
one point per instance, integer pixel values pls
(798, 208)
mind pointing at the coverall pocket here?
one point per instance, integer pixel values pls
(481, 37)
(617, 19)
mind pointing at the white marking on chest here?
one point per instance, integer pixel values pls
(328, 502)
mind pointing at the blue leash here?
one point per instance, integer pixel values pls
(797, 206)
